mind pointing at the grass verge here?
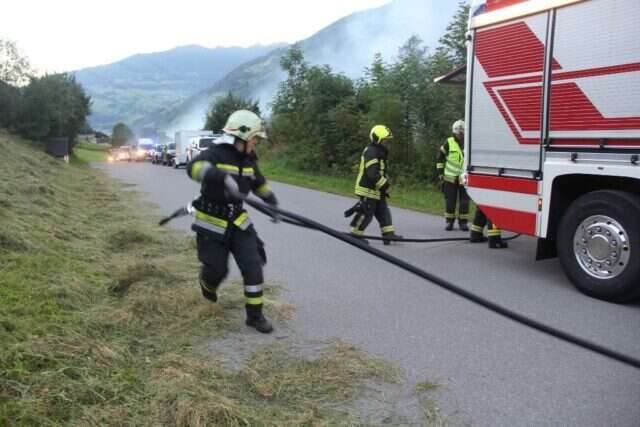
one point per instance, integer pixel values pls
(423, 198)
(85, 152)
(101, 322)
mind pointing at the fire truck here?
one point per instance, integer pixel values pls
(553, 132)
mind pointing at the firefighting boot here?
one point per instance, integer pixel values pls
(463, 224)
(208, 291)
(496, 242)
(477, 237)
(391, 237)
(359, 237)
(256, 319)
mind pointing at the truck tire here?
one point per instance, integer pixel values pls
(599, 245)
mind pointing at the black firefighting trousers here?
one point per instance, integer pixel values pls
(455, 194)
(248, 252)
(480, 221)
(368, 209)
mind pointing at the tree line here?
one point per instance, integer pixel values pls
(53, 105)
(320, 119)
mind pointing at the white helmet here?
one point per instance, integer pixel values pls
(244, 124)
(458, 128)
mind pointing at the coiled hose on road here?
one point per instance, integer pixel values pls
(279, 214)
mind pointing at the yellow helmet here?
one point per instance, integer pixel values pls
(245, 125)
(380, 132)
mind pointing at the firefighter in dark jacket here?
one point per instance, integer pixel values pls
(372, 185)
(221, 224)
(449, 168)
(493, 232)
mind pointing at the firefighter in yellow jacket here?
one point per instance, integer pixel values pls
(223, 227)
(372, 185)
(449, 168)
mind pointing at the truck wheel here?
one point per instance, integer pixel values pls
(599, 245)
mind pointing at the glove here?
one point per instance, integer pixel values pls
(273, 201)
(232, 191)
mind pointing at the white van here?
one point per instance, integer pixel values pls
(183, 140)
(199, 144)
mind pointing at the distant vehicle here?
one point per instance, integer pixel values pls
(169, 155)
(183, 141)
(119, 155)
(198, 145)
(144, 149)
(156, 153)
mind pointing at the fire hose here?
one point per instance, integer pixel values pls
(279, 214)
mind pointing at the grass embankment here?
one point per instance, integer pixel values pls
(86, 152)
(101, 321)
(423, 198)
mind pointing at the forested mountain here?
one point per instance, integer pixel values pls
(347, 46)
(142, 84)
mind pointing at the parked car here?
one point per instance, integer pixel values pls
(143, 152)
(120, 154)
(156, 153)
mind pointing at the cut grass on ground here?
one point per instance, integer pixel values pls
(420, 198)
(85, 152)
(100, 329)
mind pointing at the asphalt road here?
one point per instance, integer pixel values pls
(494, 372)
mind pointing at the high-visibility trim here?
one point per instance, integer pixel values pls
(383, 166)
(476, 228)
(228, 168)
(242, 221)
(464, 216)
(388, 229)
(451, 179)
(207, 287)
(493, 233)
(356, 231)
(211, 219)
(210, 227)
(455, 159)
(371, 162)
(381, 182)
(199, 169)
(264, 189)
(253, 288)
(439, 165)
(247, 171)
(448, 215)
(254, 301)
(367, 192)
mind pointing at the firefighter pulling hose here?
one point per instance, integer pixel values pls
(298, 220)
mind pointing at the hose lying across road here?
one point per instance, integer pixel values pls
(292, 218)
(279, 214)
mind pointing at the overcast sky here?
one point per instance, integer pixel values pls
(66, 35)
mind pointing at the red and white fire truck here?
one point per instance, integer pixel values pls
(553, 132)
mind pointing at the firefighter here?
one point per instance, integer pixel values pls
(372, 186)
(449, 168)
(221, 224)
(493, 232)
